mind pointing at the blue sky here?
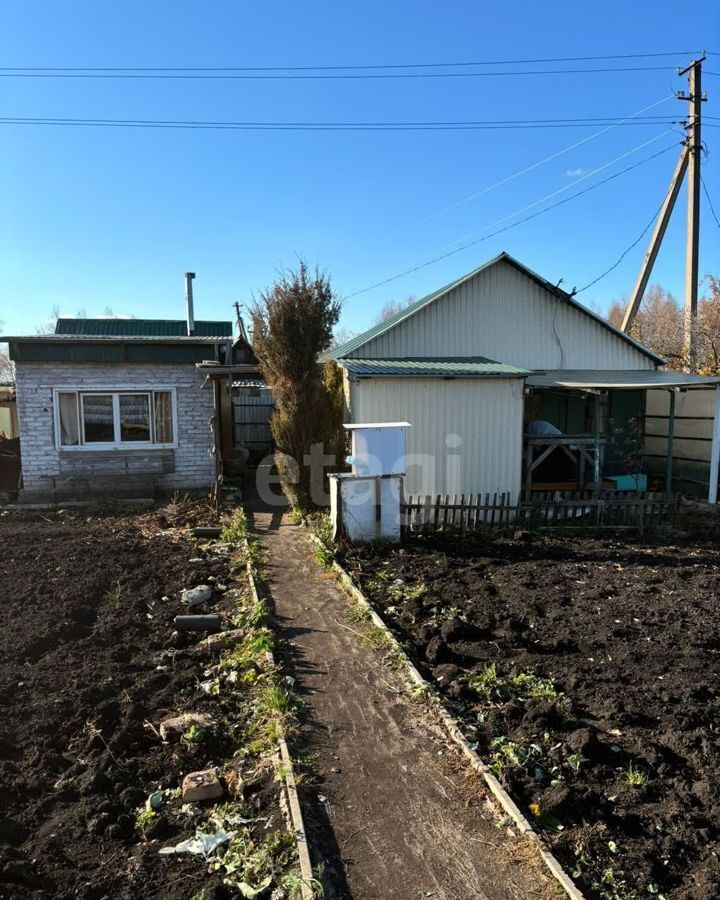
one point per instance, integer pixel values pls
(91, 218)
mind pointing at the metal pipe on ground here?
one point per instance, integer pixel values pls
(197, 623)
(207, 531)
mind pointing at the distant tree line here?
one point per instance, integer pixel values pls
(660, 325)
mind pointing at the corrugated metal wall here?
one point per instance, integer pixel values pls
(466, 434)
(694, 414)
(251, 411)
(506, 316)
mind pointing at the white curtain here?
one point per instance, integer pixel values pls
(163, 417)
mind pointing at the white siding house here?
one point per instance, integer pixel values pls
(505, 312)
(466, 434)
(460, 363)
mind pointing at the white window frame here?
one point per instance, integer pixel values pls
(114, 391)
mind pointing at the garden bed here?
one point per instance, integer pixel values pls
(587, 673)
(90, 668)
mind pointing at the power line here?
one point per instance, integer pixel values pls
(712, 208)
(369, 66)
(631, 247)
(535, 215)
(487, 125)
(633, 116)
(265, 76)
(567, 187)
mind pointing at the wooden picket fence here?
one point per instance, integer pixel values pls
(545, 510)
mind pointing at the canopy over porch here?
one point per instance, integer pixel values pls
(595, 382)
(620, 379)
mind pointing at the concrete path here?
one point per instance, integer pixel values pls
(393, 813)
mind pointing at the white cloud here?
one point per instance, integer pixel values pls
(575, 173)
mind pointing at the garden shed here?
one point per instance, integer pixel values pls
(502, 367)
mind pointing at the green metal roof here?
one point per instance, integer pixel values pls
(433, 366)
(408, 311)
(141, 328)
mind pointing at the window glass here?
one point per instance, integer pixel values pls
(163, 417)
(134, 417)
(114, 417)
(69, 424)
(98, 420)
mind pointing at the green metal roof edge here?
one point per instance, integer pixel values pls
(113, 338)
(383, 327)
(117, 350)
(94, 327)
(434, 365)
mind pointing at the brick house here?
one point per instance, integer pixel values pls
(124, 406)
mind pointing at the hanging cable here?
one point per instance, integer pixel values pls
(370, 66)
(547, 159)
(328, 126)
(535, 215)
(226, 75)
(625, 252)
(566, 187)
(710, 203)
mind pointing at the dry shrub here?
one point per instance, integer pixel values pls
(293, 323)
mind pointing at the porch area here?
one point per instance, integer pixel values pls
(586, 433)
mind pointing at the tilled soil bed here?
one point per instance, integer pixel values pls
(89, 793)
(586, 670)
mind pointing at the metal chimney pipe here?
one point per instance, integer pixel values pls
(189, 302)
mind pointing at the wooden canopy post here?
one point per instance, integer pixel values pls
(529, 448)
(715, 450)
(670, 436)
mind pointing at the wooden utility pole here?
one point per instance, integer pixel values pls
(689, 162)
(694, 149)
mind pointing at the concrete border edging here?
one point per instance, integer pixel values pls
(455, 734)
(288, 775)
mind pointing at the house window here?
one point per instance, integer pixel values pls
(134, 417)
(106, 418)
(97, 418)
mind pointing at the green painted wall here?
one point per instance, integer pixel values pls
(625, 414)
(574, 414)
(566, 411)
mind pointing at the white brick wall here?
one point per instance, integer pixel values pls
(41, 465)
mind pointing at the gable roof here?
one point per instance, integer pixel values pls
(141, 328)
(385, 326)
